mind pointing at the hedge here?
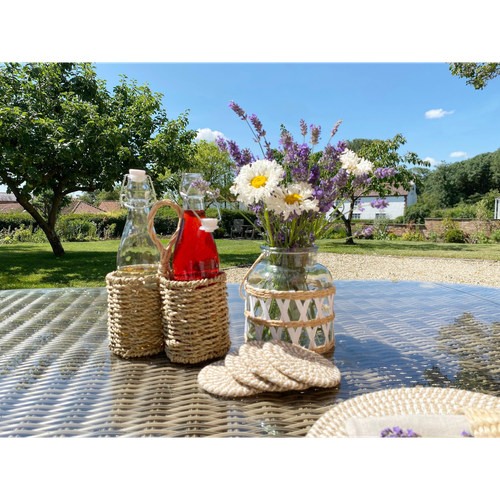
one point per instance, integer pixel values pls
(165, 220)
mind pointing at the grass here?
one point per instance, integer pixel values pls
(33, 265)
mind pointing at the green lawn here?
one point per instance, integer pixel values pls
(33, 265)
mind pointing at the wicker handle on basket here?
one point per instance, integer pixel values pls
(165, 252)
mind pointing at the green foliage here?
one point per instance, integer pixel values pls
(454, 236)
(495, 235)
(77, 227)
(214, 166)
(476, 74)
(62, 131)
(416, 213)
(464, 181)
(412, 233)
(392, 236)
(356, 144)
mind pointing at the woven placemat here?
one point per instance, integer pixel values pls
(301, 364)
(406, 401)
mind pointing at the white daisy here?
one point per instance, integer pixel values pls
(257, 181)
(364, 167)
(350, 160)
(296, 198)
(354, 164)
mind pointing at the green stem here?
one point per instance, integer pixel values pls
(266, 215)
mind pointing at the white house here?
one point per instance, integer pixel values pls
(398, 200)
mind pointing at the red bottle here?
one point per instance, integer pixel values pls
(195, 254)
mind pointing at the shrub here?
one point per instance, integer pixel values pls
(415, 213)
(495, 236)
(412, 233)
(76, 230)
(454, 236)
(392, 236)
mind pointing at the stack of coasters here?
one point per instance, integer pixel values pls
(273, 366)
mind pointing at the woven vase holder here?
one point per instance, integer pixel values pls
(134, 315)
(262, 294)
(195, 313)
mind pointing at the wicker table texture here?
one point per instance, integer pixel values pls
(58, 377)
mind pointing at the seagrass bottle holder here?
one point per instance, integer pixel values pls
(195, 314)
(134, 315)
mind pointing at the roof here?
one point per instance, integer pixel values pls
(400, 191)
(109, 206)
(80, 207)
(7, 198)
(11, 208)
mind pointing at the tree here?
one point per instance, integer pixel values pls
(61, 130)
(476, 74)
(391, 171)
(467, 180)
(214, 165)
(95, 198)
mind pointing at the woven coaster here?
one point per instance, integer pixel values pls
(216, 379)
(301, 364)
(253, 356)
(241, 373)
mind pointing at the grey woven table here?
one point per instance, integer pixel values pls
(58, 377)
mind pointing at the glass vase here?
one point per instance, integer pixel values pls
(289, 297)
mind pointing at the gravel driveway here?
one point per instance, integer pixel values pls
(374, 267)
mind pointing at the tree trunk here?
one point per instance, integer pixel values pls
(54, 241)
(347, 222)
(348, 231)
(48, 227)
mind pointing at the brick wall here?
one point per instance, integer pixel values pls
(468, 226)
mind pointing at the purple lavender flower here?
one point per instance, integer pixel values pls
(235, 154)
(397, 432)
(237, 110)
(219, 140)
(303, 128)
(315, 131)
(466, 434)
(334, 129)
(314, 175)
(200, 184)
(257, 125)
(368, 231)
(382, 173)
(379, 203)
(247, 157)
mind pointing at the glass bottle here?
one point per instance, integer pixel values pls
(195, 255)
(137, 253)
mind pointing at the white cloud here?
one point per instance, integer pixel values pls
(432, 161)
(205, 134)
(458, 154)
(437, 113)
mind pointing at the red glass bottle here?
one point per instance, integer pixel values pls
(195, 255)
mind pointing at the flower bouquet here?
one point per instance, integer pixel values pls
(292, 191)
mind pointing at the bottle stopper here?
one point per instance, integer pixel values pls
(209, 225)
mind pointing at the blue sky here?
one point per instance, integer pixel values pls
(442, 118)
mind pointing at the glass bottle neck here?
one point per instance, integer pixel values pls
(194, 203)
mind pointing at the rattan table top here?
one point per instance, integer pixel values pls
(58, 377)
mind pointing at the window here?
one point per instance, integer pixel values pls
(356, 216)
(380, 216)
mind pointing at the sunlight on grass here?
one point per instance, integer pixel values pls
(33, 265)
